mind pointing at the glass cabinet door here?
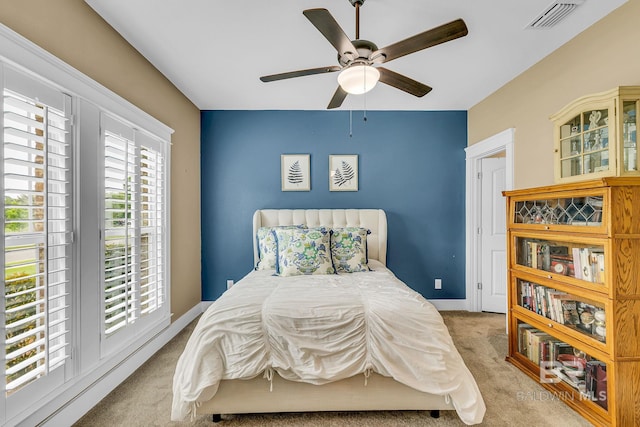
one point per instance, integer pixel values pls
(581, 261)
(562, 362)
(629, 142)
(584, 143)
(576, 211)
(580, 314)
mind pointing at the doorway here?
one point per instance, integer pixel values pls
(486, 274)
(492, 256)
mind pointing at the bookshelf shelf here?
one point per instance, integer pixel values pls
(574, 294)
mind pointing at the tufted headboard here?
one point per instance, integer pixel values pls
(373, 219)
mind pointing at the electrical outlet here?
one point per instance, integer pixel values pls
(438, 283)
(229, 284)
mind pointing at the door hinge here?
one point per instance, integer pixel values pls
(479, 175)
(479, 285)
(479, 230)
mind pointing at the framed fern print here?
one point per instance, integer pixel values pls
(295, 172)
(343, 172)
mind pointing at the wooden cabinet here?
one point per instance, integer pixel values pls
(595, 136)
(574, 294)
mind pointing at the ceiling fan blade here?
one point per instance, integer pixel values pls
(327, 25)
(338, 98)
(300, 73)
(429, 38)
(403, 83)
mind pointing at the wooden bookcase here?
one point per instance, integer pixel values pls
(574, 294)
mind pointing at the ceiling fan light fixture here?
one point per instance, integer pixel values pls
(358, 78)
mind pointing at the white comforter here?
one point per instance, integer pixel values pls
(319, 329)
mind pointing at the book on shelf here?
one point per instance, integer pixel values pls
(589, 264)
(570, 312)
(583, 373)
(535, 337)
(577, 265)
(596, 382)
(522, 337)
(556, 305)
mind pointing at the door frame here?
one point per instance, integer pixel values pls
(498, 143)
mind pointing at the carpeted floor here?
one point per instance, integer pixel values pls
(512, 398)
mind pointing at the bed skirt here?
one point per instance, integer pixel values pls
(258, 395)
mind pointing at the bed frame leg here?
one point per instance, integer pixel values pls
(435, 413)
(216, 418)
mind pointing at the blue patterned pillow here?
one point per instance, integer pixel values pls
(304, 251)
(267, 250)
(349, 249)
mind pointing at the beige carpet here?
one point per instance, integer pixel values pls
(512, 398)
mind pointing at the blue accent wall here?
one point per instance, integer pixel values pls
(411, 164)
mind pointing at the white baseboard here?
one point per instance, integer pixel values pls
(450, 304)
(77, 401)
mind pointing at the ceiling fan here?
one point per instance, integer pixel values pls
(357, 57)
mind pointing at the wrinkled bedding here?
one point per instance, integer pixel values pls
(319, 329)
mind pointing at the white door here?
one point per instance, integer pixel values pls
(493, 254)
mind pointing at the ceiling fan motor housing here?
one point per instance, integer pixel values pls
(363, 55)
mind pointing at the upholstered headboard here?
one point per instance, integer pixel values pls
(373, 219)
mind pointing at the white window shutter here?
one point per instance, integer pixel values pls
(38, 226)
(133, 235)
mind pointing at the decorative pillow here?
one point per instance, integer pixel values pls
(267, 250)
(349, 249)
(304, 251)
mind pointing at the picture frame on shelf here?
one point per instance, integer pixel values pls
(295, 170)
(343, 172)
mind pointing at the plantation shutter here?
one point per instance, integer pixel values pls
(121, 244)
(38, 226)
(152, 194)
(134, 240)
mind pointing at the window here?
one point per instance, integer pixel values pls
(133, 242)
(37, 205)
(84, 249)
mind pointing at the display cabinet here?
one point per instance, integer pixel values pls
(574, 294)
(595, 136)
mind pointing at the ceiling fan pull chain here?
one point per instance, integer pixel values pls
(365, 97)
(350, 123)
(365, 107)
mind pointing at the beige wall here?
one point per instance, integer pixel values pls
(602, 57)
(83, 40)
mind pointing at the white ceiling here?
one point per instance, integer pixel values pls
(214, 51)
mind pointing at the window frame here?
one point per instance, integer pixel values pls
(91, 370)
(28, 88)
(142, 325)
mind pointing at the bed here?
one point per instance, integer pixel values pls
(265, 344)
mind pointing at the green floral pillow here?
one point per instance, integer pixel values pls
(303, 251)
(349, 249)
(267, 250)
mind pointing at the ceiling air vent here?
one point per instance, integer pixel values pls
(554, 13)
